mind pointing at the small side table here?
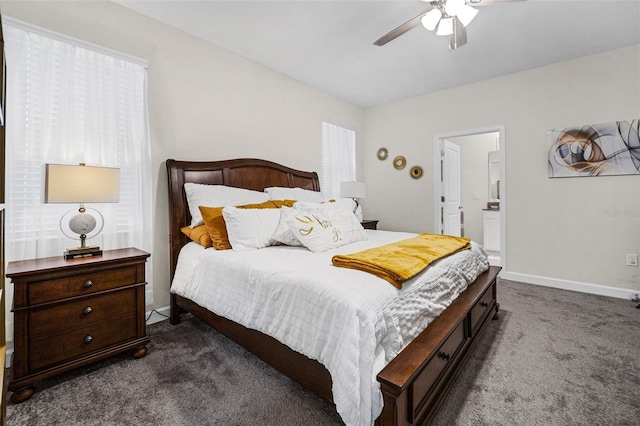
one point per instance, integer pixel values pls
(68, 313)
(369, 224)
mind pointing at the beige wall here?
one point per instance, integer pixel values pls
(204, 102)
(565, 229)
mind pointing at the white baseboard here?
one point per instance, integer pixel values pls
(602, 290)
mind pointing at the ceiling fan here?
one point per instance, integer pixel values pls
(446, 17)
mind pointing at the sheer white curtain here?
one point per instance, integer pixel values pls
(338, 158)
(67, 104)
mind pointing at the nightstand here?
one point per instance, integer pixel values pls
(68, 313)
(369, 224)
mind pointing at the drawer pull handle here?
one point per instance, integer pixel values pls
(484, 304)
(88, 284)
(444, 356)
(88, 339)
(87, 310)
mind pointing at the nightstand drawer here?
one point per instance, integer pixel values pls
(62, 347)
(81, 313)
(78, 285)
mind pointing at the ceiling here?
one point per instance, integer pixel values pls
(329, 44)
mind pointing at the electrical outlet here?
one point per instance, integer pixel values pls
(632, 260)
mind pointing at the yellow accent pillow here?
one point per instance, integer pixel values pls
(199, 234)
(217, 228)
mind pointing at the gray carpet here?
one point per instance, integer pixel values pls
(554, 358)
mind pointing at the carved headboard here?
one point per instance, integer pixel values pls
(248, 173)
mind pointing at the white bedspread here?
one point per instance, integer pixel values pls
(352, 322)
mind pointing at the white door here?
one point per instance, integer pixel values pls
(451, 189)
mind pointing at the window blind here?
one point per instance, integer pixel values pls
(338, 158)
(69, 104)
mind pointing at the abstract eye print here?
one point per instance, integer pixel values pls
(598, 150)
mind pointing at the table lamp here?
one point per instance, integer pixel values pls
(81, 184)
(354, 190)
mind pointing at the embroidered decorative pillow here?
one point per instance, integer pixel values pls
(218, 196)
(322, 229)
(284, 235)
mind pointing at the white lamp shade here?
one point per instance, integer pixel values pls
(445, 27)
(466, 14)
(453, 7)
(81, 184)
(430, 20)
(353, 189)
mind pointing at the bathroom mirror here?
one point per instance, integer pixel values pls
(494, 176)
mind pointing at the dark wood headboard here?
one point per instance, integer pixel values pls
(248, 173)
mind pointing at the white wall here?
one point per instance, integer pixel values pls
(204, 102)
(556, 228)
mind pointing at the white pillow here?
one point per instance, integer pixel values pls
(218, 196)
(322, 229)
(250, 229)
(300, 194)
(284, 234)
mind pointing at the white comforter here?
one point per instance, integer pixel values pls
(352, 322)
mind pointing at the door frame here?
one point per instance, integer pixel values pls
(437, 173)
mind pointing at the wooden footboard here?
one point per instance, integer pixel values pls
(416, 381)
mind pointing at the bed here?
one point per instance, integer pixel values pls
(413, 383)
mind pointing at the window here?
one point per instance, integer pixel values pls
(338, 158)
(70, 102)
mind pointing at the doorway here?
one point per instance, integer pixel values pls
(469, 188)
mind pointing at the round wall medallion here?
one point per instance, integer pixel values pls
(383, 154)
(399, 162)
(416, 172)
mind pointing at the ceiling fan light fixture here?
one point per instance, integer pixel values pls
(466, 14)
(445, 27)
(431, 19)
(453, 7)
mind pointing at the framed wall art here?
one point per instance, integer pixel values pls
(595, 150)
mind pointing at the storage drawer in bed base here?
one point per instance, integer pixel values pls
(413, 397)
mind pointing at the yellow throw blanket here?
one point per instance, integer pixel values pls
(399, 261)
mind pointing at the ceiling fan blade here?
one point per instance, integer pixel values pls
(393, 34)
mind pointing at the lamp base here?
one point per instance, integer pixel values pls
(73, 253)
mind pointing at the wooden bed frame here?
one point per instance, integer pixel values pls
(415, 382)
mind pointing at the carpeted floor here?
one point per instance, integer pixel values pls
(553, 358)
